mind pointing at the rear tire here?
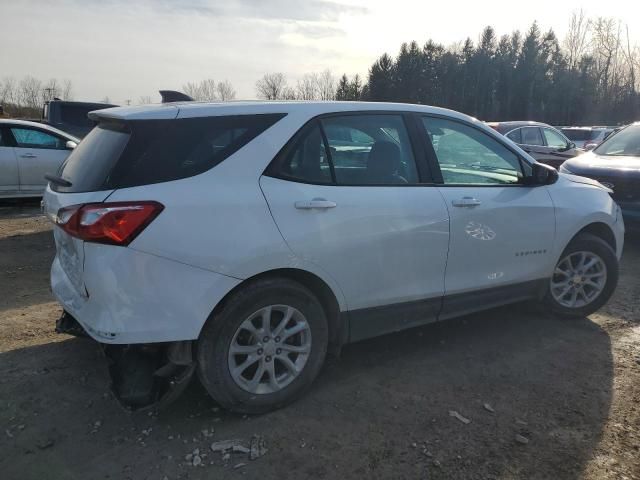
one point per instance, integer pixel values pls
(584, 279)
(252, 365)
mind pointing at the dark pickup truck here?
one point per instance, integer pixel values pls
(71, 117)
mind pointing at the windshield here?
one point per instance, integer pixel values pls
(624, 143)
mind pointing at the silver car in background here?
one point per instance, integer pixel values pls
(29, 151)
(587, 137)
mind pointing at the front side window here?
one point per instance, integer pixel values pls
(554, 139)
(370, 150)
(468, 156)
(531, 136)
(29, 138)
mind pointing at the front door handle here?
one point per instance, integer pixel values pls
(466, 202)
(28, 155)
(320, 203)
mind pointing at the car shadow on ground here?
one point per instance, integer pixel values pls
(25, 260)
(381, 411)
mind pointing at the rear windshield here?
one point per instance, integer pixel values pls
(579, 134)
(119, 155)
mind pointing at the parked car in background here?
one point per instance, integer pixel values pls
(245, 240)
(616, 164)
(543, 142)
(28, 151)
(71, 117)
(587, 137)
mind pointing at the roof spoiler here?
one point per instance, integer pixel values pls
(173, 96)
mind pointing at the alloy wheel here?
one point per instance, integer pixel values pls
(269, 349)
(578, 279)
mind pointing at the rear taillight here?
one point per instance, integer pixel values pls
(115, 223)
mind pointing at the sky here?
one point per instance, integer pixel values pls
(124, 49)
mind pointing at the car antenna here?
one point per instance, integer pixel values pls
(174, 96)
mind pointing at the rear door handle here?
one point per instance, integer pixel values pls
(320, 203)
(28, 155)
(466, 202)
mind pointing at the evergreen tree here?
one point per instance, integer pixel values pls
(342, 92)
(380, 82)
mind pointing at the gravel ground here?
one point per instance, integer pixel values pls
(502, 394)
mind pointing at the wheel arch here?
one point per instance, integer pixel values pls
(600, 230)
(338, 328)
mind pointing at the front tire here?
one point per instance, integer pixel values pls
(264, 348)
(584, 278)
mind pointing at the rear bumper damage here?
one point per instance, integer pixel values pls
(143, 376)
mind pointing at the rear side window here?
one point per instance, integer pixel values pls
(515, 135)
(350, 150)
(152, 151)
(531, 136)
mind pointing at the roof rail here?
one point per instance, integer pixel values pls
(174, 96)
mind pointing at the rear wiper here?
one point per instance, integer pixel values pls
(58, 180)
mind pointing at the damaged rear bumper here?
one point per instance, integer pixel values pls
(143, 376)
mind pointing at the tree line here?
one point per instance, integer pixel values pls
(25, 97)
(587, 78)
(590, 77)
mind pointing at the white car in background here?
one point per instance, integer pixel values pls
(29, 151)
(244, 240)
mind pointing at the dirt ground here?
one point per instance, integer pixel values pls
(571, 388)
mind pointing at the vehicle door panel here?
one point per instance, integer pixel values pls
(501, 231)
(383, 245)
(38, 153)
(9, 176)
(383, 239)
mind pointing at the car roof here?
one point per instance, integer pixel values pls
(41, 126)
(306, 108)
(588, 128)
(513, 124)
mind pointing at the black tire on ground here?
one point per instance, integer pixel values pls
(587, 243)
(218, 333)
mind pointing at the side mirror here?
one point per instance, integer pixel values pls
(590, 146)
(571, 145)
(71, 144)
(542, 174)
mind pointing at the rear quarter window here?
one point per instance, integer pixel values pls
(138, 153)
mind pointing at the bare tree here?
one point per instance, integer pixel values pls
(67, 90)
(289, 93)
(326, 85)
(145, 100)
(8, 91)
(225, 91)
(50, 90)
(606, 51)
(29, 92)
(272, 86)
(204, 91)
(577, 39)
(307, 87)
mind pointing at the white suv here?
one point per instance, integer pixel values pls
(244, 240)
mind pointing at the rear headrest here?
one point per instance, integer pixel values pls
(385, 155)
